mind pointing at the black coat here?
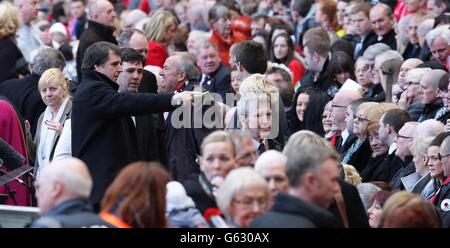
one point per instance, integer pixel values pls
(444, 195)
(11, 57)
(408, 168)
(149, 129)
(369, 40)
(411, 51)
(102, 133)
(356, 213)
(25, 96)
(197, 192)
(429, 110)
(375, 93)
(360, 158)
(291, 212)
(342, 148)
(367, 174)
(220, 82)
(389, 39)
(323, 82)
(387, 169)
(94, 33)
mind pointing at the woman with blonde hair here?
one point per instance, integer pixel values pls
(13, 62)
(54, 89)
(160, 30)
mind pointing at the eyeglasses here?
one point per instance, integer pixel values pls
(411, 83)
(359, 118)
(337, 106)
(403, 137)
(248, 202)
(441, 157)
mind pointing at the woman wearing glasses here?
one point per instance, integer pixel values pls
(243, 196)
(357, 155)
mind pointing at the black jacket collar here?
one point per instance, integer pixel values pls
(101, 29)
(91, 75)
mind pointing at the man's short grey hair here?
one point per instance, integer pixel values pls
(304, 159)
(374, 50)
(437, 32)
(435, 76)
(68, 171)
(188, 65)
(415, 75)
(46, 58)
(125, 37)
(269, 157)
(366, 192)
(236, 181)
(446, 146)
(428, 128)
(425, 27)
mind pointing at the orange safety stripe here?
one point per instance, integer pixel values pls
(113, 220)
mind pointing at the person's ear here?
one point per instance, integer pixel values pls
(57, 189)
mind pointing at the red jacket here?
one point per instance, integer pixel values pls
(224, 45)
(157, 54)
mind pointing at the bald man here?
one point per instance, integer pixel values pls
(339, 107)
(406, 66)
(431, 95)
(100, 28)
(272, 166)
(403, 141)
(62, 193)
(382, 24)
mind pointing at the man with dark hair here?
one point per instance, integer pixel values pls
(78, 23)
(390, 124)
(151, 144)
(250, 58)
(258, 24)
(301, 21)
(101, 134)
(100, 28)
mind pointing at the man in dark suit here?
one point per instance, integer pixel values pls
(129, 80)
(215, 75)
(413, 49)
(404, 140)
(363, 28)
(101, 116)
(183, 141)
(382, 24)
(100, 28)
(339, 107)
(24, 93)
(313, 182)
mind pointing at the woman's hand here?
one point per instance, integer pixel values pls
(54, 125)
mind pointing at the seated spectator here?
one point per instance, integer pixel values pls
(237, 195)
(216, 161)
(376, 210)
(136, 197)
(342, 69)
(351, 175)
(272, 166)
(410, 98)
(407, 210)
(435, 165)
(326, 120)
(366, 192)
(180, 209)
(62, 195)
(416, 181)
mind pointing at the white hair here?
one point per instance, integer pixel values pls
(374, 50)
(428, 128)
(237, 180)
(437, 32)
(415, 75)
(388, 55)
(269, 157)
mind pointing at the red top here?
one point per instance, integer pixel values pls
(400, 11)
(224, 45)
(297, 70)
(242, 25)
(157, 54)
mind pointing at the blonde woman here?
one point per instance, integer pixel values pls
(160, 30)
(54, 90)
(9, 52)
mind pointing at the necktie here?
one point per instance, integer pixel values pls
(205, 79)
(262, 148)
(358, 48)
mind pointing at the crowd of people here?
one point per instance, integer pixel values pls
(227, 113)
